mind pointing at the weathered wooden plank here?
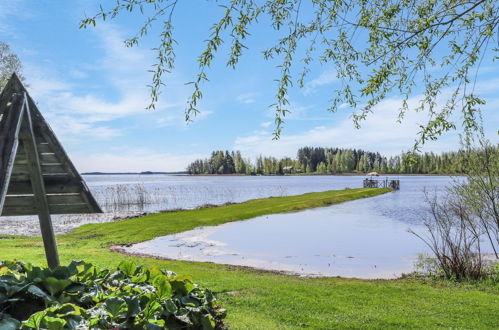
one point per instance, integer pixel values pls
(81, 208)
(70, 208)
(52, 169)
(49, 158)
(9, 131)
(29, 200)
(19, 177)
(20, 155)
(46, 169)
(51, 186)
(20, 169)
(44, 148)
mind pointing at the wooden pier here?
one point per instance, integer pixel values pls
(380, 183)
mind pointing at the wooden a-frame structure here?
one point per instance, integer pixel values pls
(36, 175)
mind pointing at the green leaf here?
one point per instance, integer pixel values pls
(170, 306)
(183, 287)
(133, 306)
(36, 291)
(61, 272)
(155, 324)
(3, 298)
(208, 322)
(151, 308)
(154, 271)
(55, 286)
(163, 287)
(9, 324)
(127, 267)
(54, 323)
(116, 307)
(68, 310)
(34, 320)
(189, 301)
(139, 278)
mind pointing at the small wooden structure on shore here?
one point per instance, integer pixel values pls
(375, 183)
(36, 175)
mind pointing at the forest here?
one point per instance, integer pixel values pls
(319, 160)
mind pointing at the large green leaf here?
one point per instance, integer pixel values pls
(34, 321)
(3, 297)
(116, 307)
(36, 291)
(208, 322)
(163, 287)
(127, 267)
(133, 306)
(55, 286)
(182, 287)
(54, 323)
(170, 307)
(152, 308)
(9, 324)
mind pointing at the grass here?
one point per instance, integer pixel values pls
(264, 300)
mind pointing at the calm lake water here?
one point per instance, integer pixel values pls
(364, 238)
(125, 195)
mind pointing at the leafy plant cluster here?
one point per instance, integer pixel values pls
(82, 296)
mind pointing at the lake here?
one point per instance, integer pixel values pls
(366, 238)
(130, 195)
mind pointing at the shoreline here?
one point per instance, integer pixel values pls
(313, 174)
(121, 249)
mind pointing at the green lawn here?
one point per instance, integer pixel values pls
(264, 300)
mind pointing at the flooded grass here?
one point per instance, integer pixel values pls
(121, 201)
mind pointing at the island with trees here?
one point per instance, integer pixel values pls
(332, 161)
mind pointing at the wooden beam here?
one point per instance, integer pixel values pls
(38, 186)
(9, 132)
(53, 185)
(80, 208)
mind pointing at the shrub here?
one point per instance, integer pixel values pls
(453, 238)
(467, 216)
(82, 295)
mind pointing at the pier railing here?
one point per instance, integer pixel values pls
(381, 183)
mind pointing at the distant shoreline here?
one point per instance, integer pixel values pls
(132, 173)
(337, 174)
(302, 174)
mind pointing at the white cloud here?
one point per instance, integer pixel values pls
(297, 111)
(246, 98)
(380, 132)
(11, 8)
(133, 160)
(266, 124)
(325, 78)
(175, 116)
(74, 114)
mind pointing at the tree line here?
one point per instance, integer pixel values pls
(319, 160)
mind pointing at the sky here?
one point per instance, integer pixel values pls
(92, 91)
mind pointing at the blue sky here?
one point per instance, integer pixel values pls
(91, 89)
